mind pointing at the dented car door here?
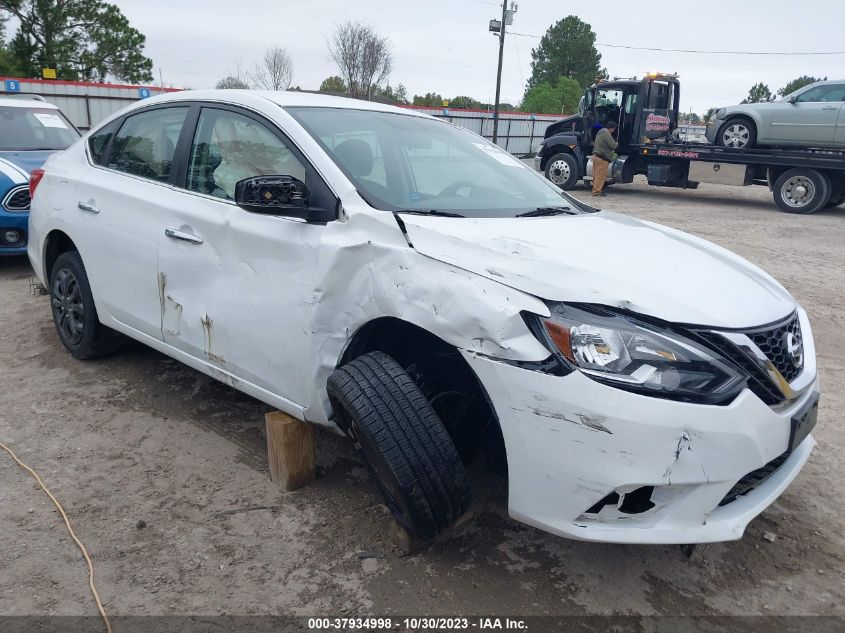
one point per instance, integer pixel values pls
(237, 287)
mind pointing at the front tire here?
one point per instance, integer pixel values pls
(403, 442)
(738, 133)
(74, 313)
(562, 170)
(802, 190)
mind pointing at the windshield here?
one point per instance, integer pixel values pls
(34, 129)
(403, 162)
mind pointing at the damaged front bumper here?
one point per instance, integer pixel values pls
(591, 462)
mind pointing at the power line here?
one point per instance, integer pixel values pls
(686, 50)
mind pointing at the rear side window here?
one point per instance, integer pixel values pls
(99, 142)
(146, 143)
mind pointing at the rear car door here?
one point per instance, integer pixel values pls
(812, 119)
(121, 202)
(238, 287)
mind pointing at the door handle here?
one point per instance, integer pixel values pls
(88, 207)
(830, 107)
(181, 235)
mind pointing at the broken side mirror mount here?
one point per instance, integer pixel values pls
(792, 99)
(279, 195)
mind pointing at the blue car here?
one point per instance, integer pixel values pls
(30, 130)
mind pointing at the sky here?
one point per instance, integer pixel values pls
(444, 46)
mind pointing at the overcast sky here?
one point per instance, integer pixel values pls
(443, 45)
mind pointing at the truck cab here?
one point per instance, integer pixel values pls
(645, 110)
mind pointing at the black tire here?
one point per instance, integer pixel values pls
(738, 132)
(801, 190)
(562, 170)
(403, 442)
(74, 313)
(837, 191)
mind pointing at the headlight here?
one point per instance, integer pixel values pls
(636, 356)
(720, 113)
(539, 149)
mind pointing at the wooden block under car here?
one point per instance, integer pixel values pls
(290, 450)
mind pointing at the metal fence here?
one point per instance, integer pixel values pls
(84, 103)
(519, 132)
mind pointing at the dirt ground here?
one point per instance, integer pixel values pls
(164, 474)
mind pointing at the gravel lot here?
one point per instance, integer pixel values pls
(163, 472)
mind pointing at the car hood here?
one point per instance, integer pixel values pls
(16, 165)
(609, 259)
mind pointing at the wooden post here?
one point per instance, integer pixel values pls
(290, 450)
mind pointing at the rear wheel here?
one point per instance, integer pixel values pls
(403, 442)
(738, 132)
(802, 190)
(74, 313)
(562, 170)
(837, 191)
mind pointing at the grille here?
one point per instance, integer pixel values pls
(753, 479)
(772, 341)
(772, 344)
(17, 199)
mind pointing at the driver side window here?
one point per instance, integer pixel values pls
(229, 147)
(823, 94)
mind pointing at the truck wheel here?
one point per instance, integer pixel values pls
(74, 313)
(403, 442)
(801, 190)
(739, 132)
(562, 170)
(837, 191)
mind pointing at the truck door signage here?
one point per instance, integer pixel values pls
(657, 123)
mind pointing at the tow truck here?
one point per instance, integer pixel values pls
(646, 112)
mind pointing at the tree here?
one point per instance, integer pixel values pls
(334, 85)
(230, 82)
(396, 95)
(7, 64)
(759, 93)
(431, 99)
(553, 99)
(81, 39)
(566, 50)
(464, 102)
(275, 72)
(798, 83)
(362, 56)
(690, 118)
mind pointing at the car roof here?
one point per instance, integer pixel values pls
(282, 98)
(25, 101)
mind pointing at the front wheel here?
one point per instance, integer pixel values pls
(562, 170)
(402, 441)
(74, 313)
(801, 190)
(739, 133)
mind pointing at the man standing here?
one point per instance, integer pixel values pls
(603, 149)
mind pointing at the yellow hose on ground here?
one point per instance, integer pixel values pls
(70, 531)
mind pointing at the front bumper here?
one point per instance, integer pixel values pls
(17, 222)
(572, 441)
(712, 130)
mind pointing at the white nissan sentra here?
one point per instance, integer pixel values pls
(406, 282)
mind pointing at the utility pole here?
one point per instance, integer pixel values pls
(499, 71)
(507, 18)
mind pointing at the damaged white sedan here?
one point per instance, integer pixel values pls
(407, 282)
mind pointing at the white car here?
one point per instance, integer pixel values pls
(403, 280)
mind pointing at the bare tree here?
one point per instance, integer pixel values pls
(230, 81)
(275, 72)
(362, 56)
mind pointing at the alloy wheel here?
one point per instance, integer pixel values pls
(559, 172)
(736, 135)
(68, 308)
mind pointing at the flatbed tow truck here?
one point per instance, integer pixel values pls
(646, 112)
